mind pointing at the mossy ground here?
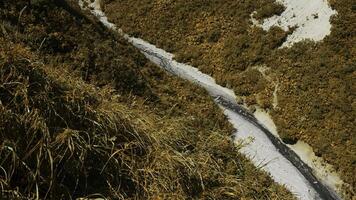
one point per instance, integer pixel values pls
(316, 81)
(82, 113)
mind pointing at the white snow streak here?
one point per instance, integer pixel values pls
(260, 150)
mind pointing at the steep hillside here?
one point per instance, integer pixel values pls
(309, 89)
(83, 114)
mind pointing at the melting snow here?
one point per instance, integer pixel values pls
(260, 149)
(310, 17)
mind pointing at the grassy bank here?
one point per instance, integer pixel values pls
(83, 113)
(316, 101)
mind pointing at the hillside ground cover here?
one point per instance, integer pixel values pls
(316, 81)
(82, 113)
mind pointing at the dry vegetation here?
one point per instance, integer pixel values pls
(84, 114)
(316, 93)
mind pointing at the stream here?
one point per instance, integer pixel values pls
(260, 144)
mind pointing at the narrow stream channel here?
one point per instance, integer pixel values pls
(264, 149)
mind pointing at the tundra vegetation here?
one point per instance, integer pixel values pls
(84, 114)
(316, 81)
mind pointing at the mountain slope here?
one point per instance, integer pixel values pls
(308, 88)
(83, 113)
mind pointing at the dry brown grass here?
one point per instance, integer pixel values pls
(62, 138)
(316, 92)
(69, 127)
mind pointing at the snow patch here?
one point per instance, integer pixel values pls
(265, 155)
(260, 150)
(165, 60)
(95, 9)
(275, 96)
(310, 17)
(324, 171)
(266, 120)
